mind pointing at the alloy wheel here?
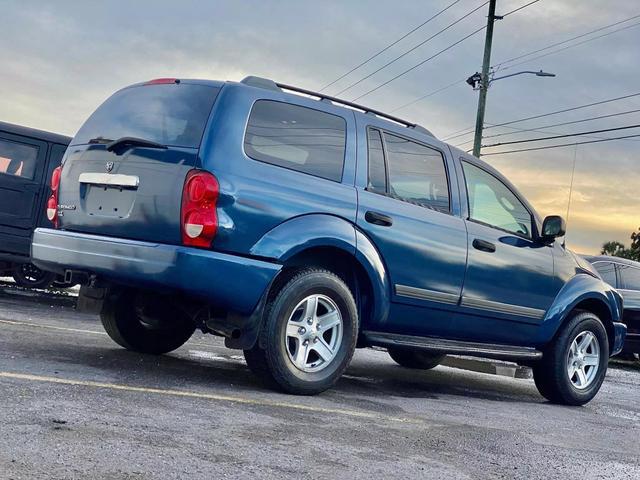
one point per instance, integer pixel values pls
(314, 333)
(583, 360)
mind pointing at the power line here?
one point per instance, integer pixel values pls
(519, 130)
(516, 130)
(560, 145)
(519, 8)
(567, 110)
(541, 127)
(434, 92)
(565, 135)
(419, 64)
(407, 52)
(389, 46)
(469, 130)
(556, 44)
(451, 137)
(427, 95)
(466, 131)
(571, 46)
(535, 129)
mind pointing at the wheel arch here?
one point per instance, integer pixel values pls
(331, 242)
(584, 293)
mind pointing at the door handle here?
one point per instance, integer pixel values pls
(484, 246)
(378, 219)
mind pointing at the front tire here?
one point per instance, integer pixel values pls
(416, 359)
(309, 335)
(574, 366)
(145, 324)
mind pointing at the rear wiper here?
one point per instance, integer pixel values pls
(133, 142)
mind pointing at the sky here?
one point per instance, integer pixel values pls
(61, 59)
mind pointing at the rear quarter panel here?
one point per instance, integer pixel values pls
(255, 197)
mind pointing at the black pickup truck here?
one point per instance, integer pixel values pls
(27, 159)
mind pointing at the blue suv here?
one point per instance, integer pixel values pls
(300, 226)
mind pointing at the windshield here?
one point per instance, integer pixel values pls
(169, 114)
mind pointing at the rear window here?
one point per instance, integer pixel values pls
(171, 114)
(297, 138)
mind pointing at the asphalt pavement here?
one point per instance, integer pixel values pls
(74, 405)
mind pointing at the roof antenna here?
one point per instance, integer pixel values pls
(573, 173)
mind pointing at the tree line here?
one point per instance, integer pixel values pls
(618, 249)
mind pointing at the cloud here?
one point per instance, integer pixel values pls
(60, 60)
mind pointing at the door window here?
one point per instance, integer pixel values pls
(629, 277)
(297, 138)
(492, 203)
(607, 271)
(417, 173)
(377, 171)
(18, 159)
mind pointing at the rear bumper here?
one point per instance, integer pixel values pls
(619, 334)
(228, 281)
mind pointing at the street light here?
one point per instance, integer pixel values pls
(477, 83)
(539, 73)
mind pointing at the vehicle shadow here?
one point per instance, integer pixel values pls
(197, 367)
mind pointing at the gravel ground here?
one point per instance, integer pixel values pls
(75, 405)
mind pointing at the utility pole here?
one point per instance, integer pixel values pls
(484, 79)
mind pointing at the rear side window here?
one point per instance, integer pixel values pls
(607, 271)
(172, 114)
(18, 159)
(629, 277)
(297, 138)
(416, 173)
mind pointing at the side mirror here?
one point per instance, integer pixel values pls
(553, 227)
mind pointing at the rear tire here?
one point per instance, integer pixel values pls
(416, 359)
(574, 366)
(309, 334)
(145, 324)
(27, 275)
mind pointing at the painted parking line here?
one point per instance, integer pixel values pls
(74, 330)
(208, 396)
(50, 327)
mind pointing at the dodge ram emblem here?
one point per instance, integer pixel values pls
(109, 166)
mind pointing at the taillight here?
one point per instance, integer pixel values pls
(199, 217)
(162, 81)
(52, 203)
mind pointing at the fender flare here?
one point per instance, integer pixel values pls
(581, 287)
(321, 230)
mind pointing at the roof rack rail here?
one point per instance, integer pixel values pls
(270, 84)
